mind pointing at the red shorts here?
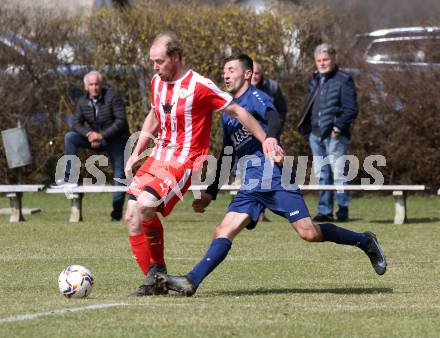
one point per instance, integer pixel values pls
(168, 181)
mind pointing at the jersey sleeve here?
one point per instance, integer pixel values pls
(212, 97)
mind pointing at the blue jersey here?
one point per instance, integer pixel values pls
(258, 175)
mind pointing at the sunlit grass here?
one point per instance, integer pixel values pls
(272, 284)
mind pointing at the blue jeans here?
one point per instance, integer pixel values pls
(114, 150)
(330, 171)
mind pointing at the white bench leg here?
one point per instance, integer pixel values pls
(400, 206)
(76, 208)
(16, 207)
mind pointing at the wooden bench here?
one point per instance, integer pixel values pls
(15, 195)
(399, 193)
(76, 196)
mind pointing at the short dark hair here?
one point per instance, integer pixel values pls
(244, 59)
(173, 44)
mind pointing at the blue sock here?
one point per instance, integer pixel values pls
(335, 234)
(216, 253)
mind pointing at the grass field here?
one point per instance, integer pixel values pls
(271, 285)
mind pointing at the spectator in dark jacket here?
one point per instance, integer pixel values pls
(331, 107)
(99, 123)
(271, 88)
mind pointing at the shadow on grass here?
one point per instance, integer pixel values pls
(350, 220)
(410, 220)
(343, 291)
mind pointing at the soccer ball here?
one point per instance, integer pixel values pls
(75, 281)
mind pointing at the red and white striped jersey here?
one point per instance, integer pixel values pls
(184, 110)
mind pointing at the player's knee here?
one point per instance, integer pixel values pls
(222, 230)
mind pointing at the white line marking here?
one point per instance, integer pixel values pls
(30, 316)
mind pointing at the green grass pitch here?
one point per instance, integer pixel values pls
(272, 284)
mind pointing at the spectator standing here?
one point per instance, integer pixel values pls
(331, 107)
(273, 90)
(99, 123)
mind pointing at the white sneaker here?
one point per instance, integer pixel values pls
(60, 184)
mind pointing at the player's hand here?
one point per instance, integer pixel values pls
(131, 162)
(272, 150)
(199, 205)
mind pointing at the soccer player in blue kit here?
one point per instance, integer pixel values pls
(252, 199)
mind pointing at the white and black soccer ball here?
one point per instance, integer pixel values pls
(75, 281)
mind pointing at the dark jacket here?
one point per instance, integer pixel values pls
(337, 104)
(271, 88)
(111, 121)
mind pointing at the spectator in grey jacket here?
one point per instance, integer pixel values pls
(99, 123)
(331, 107)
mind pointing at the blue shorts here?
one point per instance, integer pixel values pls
(286, 203)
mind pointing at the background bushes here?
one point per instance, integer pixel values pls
(116, 42)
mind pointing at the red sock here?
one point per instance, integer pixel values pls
(153, 230)
(141, 252)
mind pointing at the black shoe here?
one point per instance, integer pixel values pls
(342, 214)
(116, 215)
(180, 284)
(148, 288)
(323, 218)
(376, 254)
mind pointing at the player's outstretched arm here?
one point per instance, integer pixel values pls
(149, 129)
(270, 145)
(239, 113)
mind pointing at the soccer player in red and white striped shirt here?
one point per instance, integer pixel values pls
(182, 103)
